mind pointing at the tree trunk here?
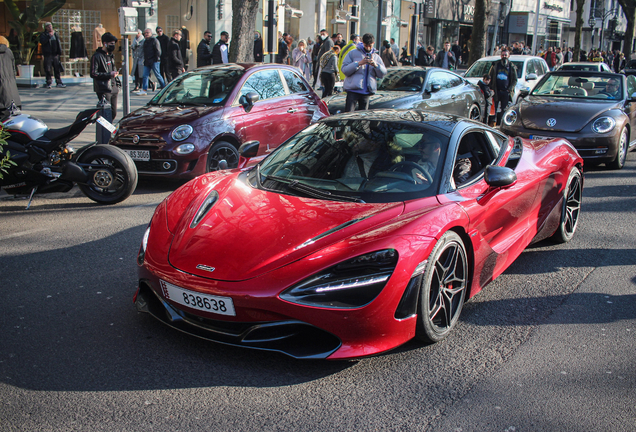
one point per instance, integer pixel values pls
(629, 8)
(478, 40)
(243, 28)
(580, 5)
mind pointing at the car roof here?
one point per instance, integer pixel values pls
(515, 57)
(582, 63)
(585, 73)
(246, 66)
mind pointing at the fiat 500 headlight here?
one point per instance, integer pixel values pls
(603, 125)
(182, 132)
(510, 117)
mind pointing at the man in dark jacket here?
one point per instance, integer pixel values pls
(283, 50)
(8, 87)
(104, 73)
(152, 61)
(163, 43)
(175, 60)
(426, 57)
(503, 79)
(219, 51)
(51, 50)
(445, 58)
(204, 52)
(258, 47)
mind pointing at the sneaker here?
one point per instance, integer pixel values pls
(48, 86)
(61, 85)
(142, 93)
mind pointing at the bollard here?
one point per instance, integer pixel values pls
(102, 135)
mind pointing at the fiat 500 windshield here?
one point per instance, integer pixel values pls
(206, 87)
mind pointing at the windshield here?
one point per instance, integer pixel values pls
(593, 67)
(356, 160)
(206, 87)
(584, 87)
(403, 80)
(481, 68)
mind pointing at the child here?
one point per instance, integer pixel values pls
(488, 93)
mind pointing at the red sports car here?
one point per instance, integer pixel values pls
(359, 233)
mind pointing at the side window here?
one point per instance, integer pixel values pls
(473, 155)
(544, 68)
(294, 82)
(266, 84)
(435, 78)
(449, 81)
(455, 81)
(530, 68)
(631, 85)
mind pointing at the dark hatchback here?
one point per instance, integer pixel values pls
(205, 115)
(595, 111)
(413, 87)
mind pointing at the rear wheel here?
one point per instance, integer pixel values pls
(571, 208)
(474, 113)
(222, 150)
(621, 155)
(443, 289)
(112, 174)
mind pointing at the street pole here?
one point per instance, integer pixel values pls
(125, 87)
(378, 37)
(535, 37)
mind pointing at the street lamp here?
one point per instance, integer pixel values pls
(604, 15)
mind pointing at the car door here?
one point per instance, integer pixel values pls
(438, 100)
(307, 103)
(273, 118)
(630, 107)
(459, 95)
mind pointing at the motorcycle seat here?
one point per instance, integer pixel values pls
(69, 132)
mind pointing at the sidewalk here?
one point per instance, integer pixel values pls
(58, 107)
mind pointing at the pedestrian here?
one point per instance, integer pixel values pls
(497, 51)
(582, 56)
(302, 59)
(176, 65)
(550, 58)
(8, 87)
(362, 68)
(457, 52)
(204, 52)
(405, 60)
(426, 56)
(104, 72)
(152, 61)
(138, 60)
(503, 79)
(282, 55)
(258, 47)
(395, 48)
(484, 86)
(315, 59)
(338, 40)
(163, 43)
(387, 55)
(559, 58)
(52, 50)
(219, 51)
(354, 40)
(567, 57)
(329, 67)
(445, 58)
(619, 63)
(326, 45)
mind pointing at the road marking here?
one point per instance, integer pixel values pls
(19, 234)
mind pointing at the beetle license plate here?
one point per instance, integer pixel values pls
(195, 300)
(539, 137)
(139, 155)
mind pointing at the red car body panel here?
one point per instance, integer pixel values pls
(257, 243)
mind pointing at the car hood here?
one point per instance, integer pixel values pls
(249, 231)
(164, 117)
(571, 114)
(380, 100)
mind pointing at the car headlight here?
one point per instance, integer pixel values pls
(182, 132)
(510, 117)
(144, 244)
(184, 149)
(603, 125)
(350, 284)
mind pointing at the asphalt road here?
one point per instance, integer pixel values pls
(549, 346)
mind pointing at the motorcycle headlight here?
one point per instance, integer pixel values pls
(182, 132)
(184, 149)
(142, 249)
(349, 284)
(603, 125)
(510, 117)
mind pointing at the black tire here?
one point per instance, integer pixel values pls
(112, 184)
(572, 196)
(443, 289)
(621, 154)
(475, 113)
(219, 151)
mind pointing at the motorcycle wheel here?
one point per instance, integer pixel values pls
(112, 185)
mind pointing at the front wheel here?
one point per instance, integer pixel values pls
(474, 113)
(112, 174)
(443, 289)
(571, 208)
(621, 154)
(222, 151)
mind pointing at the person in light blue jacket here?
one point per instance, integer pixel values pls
(362, 67)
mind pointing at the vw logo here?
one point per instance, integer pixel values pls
(551, 122)
(135, 139)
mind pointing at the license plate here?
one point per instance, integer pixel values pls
(198, 301)
(139, 155)
(538, 137)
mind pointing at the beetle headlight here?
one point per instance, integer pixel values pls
(603, 125)
(182, 132)
(350, 284)
(510, 117)
(184, 149)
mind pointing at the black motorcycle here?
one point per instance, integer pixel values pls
(44, 163)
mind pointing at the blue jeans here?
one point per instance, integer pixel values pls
(155, 69)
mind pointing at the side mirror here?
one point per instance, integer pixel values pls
(249, 149)
(496, 176)
(523, 93)
(531, 77)
(435, 88)
(248, 100)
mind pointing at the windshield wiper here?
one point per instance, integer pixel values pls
(320, 193)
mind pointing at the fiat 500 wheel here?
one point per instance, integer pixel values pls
(571, 208)
(222, 151)
(443, 289)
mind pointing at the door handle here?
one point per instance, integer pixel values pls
(453, 96)
(292, 110)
